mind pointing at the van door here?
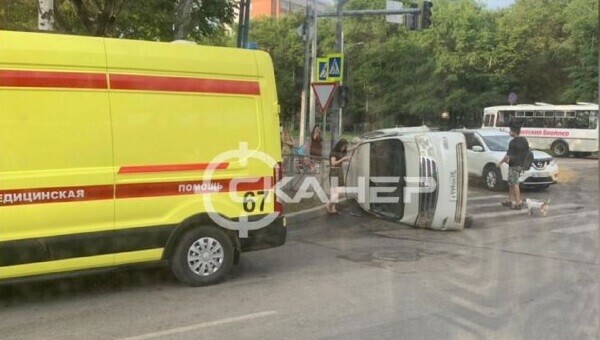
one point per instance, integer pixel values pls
(56, 163)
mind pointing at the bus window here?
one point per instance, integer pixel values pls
(582, 120)
(488, 120)
(528, 113)
(593, 119)
(504, 118)
(549, 122)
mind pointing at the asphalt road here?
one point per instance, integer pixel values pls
(510, 276)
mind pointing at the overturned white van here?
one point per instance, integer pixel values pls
(411, 175)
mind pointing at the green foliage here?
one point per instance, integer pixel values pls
(279, 38)
(148, 19)
(469, 58)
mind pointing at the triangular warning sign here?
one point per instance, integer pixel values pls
(324, 93)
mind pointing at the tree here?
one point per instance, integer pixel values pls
(278, 37)
(581, 25)
(148, 20)
(46, 15)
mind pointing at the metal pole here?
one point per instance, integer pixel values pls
(305, 83)
(247, 22)
(341, 83)
(312, 106)
(241, 21)
(338, 47)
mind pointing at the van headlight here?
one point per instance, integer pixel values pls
(425, 146)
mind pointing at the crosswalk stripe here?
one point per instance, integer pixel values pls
(481, 198)
(483, 205)
(577, 229)
(522, 211)
(549, 219)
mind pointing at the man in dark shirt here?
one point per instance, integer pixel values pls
(518, 148)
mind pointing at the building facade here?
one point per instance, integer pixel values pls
(277, 8)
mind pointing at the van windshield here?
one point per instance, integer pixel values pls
(387, 171)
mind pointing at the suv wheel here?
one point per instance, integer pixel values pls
(492, 178)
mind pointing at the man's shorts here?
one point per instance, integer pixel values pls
(514, 172)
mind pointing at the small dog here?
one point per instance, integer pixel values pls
(541, 206)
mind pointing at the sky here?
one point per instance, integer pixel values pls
(495, 4)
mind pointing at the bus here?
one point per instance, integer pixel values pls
(562, 129)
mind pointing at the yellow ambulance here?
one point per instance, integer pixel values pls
(117, 152)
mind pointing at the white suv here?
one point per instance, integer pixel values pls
(485, 148)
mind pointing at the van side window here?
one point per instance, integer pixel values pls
(387, 160)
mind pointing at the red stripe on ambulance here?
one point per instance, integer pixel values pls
(134, 190)
(56, 195)
(84, 80)
(75, 80)
(179, 84)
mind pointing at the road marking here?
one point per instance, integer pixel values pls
(524, 211)
(201, 325)
(578, 229)
(548, 219)
(483, 205)
(480, 198)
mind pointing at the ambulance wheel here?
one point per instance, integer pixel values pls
(203, 256)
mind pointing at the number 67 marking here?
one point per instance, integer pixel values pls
(249, 204)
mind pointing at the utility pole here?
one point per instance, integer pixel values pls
(312, 103)
(243, 23)
(335, 115)
(306, 32)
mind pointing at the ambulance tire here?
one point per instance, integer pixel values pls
(203, 256)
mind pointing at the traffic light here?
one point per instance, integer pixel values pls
(426, 14)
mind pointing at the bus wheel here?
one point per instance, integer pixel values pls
(492, 178)
(203, 256)
(560, 149)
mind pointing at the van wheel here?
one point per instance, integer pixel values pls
(492, 178)
(560, 149)
(203, 256)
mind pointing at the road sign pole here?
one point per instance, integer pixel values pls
(335, 116)
(311, 114)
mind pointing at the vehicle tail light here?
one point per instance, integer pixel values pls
(277, 176)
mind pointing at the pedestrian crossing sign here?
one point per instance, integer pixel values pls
(322, 69)
(335, 67)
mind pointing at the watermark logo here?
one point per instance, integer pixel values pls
(376, 189)
(249, 202)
